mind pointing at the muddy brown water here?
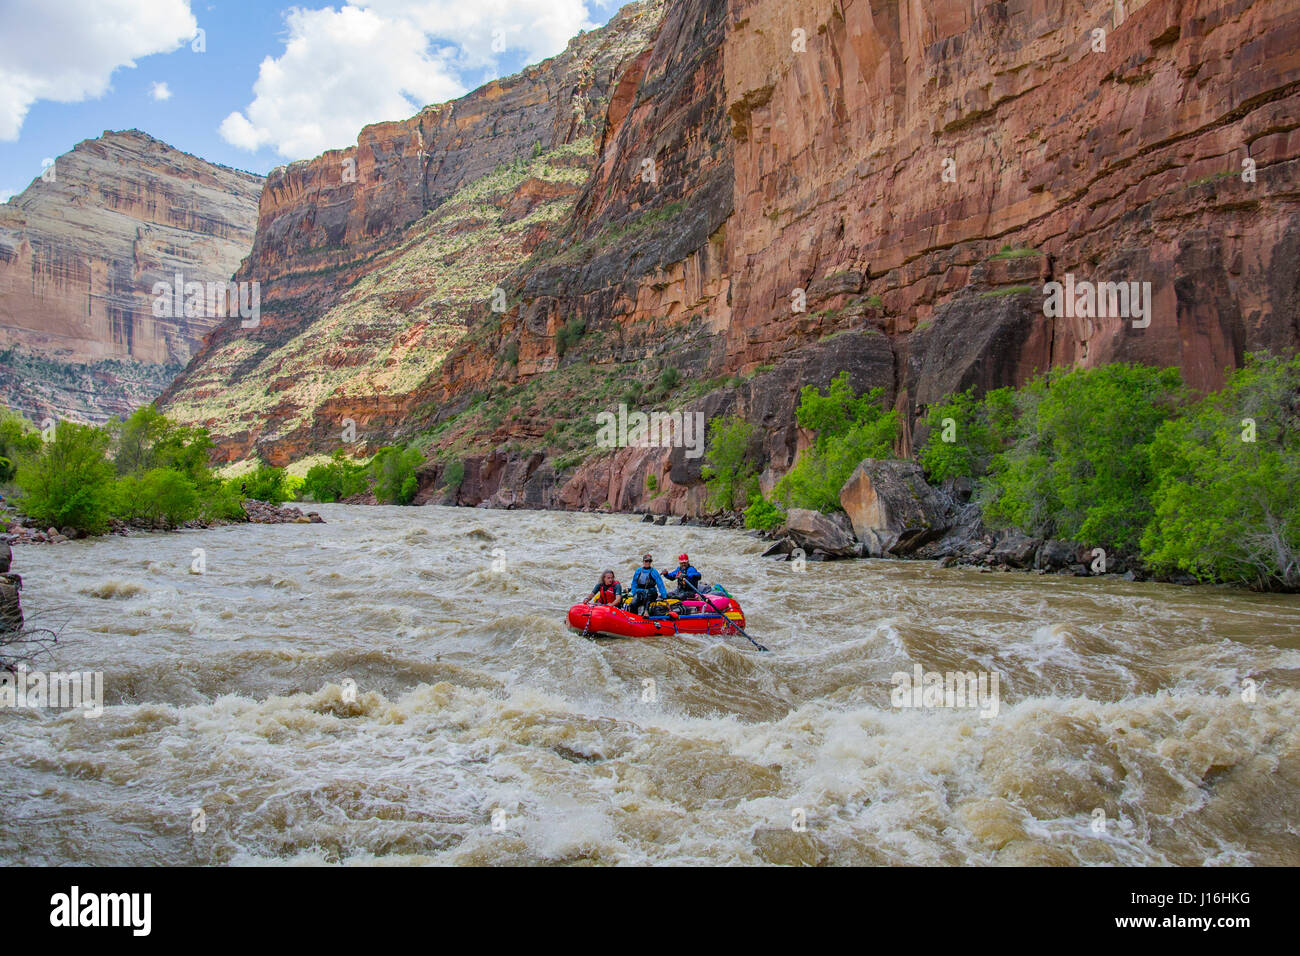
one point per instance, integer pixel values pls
(1135, 724)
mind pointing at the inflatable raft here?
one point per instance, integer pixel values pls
(693, 617)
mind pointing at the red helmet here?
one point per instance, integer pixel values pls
(683, 559)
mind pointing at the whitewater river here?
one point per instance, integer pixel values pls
(481, 731)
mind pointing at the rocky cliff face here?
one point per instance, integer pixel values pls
(778, 190)
(375, 260)
(80, 251)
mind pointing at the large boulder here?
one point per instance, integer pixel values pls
(892, 507)
(11, 610)
(1015, 549)
(814, 531)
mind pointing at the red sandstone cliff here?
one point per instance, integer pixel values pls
(918, 171)
(80, 251)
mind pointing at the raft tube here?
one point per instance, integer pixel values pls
(601, 620)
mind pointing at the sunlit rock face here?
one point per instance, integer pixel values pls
(81, 250)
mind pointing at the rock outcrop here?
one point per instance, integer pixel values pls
(820, 535)
(775, 190)
(892, 508)
(11, 608)
(80, 251)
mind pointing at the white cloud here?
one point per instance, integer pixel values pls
(160, 91)
(67, 50)
(375, 60)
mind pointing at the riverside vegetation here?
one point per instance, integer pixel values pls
(1120, 457)
(148, 471)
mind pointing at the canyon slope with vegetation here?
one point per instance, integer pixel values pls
(710, 205)
(80, 251)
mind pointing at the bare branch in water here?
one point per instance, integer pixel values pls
(29, 644)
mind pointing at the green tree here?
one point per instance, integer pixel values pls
(763, 514)
(1226, 501)
(337, 479)
(162, 496)
(69, 482)
(965, 433)
(849, 428)
(1079, 464)
(729, 472)
(264, 483)
(569, 335)
(393, 470)
(18, 440)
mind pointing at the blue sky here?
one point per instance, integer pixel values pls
(274, 82)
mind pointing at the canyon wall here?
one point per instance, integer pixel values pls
(374, 260)
(80, 251)
(778, 190)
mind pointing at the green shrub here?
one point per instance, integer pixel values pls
(454, 475)
(668, 380)
(966, 432)
(729, 472)
(147, 440)
(568, 335)
(763, 514)
(1226, 496)
(162, 496)
(69, 482)
(18, 440)
(850, 428)
(393, 470)
(222, 501)
(335, 480)
(651, 484)
(265, 483)
(1078, 466)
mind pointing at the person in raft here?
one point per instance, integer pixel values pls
(685, 575)
(608, 591)
(646, 586)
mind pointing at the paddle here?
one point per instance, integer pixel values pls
(708, 603)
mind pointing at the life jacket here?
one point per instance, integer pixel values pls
(644, 580)
(607, 595)
(691, 575)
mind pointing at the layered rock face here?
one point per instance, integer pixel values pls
(80, 252)
(888, 166)
(374, 260)
(778, 190)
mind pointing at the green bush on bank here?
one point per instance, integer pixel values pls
(1225, 496)
(68, 481)
(730, 474)
(393, 471)
(849, 429)
(145, 468)
(1078, 462)
(266, 483)
(18, 439)
(965, 433)
(1119, 457)
(336, 480)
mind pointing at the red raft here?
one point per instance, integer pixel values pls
(602, 620)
